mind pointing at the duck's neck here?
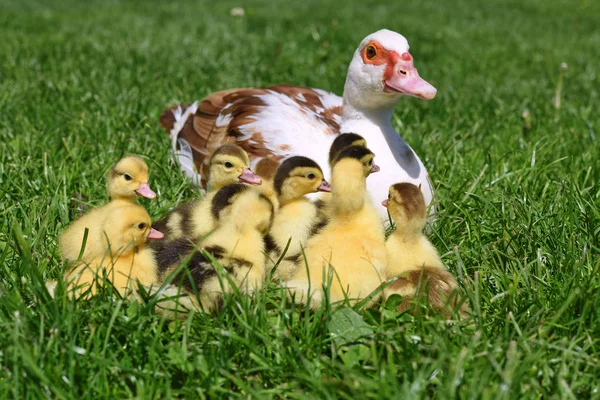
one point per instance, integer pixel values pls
(370, 118)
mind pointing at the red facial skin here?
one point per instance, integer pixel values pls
(400, 75)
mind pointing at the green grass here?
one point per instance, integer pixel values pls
(82, 83)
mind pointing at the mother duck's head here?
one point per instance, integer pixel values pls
(382, 70)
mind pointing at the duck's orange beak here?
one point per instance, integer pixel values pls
(145, 191)
(385, 203)
(402, 77)
(375, 168)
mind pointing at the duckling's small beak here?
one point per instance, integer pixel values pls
(325, 187)
(144, 190)
(384, 203)
(249, 177)
(375, 168)
(154, 234)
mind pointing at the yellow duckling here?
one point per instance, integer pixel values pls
(126, 259)
(243, 217)
(127, 179)
(351, 247)
(342, 141)
(297, 218)
(411, 256)
(229, 164)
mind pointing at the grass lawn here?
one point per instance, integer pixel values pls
(83, 83)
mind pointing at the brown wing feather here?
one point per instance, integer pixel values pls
(204, 136)
(312, 101)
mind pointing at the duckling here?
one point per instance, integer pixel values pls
(411, 256)
(351, 247)
(342, 141)
(297, 217)
(126, 258)
(244, 216)
(229, 164)
(127, 179)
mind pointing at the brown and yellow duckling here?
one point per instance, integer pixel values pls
(412, 257)
(297, 218)
(229, 164)
(243, 217)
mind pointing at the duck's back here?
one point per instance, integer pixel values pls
(275, 122)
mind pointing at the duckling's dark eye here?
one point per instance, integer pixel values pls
(371, 52)
(127, 177)
(141, 225)
(311, 176)
(370, 162)
(228, 165)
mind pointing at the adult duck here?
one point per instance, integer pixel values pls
(281, 121)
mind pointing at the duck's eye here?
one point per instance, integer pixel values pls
(311, 176)
(371, 52)
(370, 162)
(228, 165)
(141, 225)
(127, 177)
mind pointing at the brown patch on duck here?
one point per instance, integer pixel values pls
(331, 113)
(266, 168)
(437, 284)
(241, 106)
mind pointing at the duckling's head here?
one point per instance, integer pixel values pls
(128, 227)
(230, 164)
(342, 141)
(406, 206)
(298, 176)
(242, 207)
(358, 154)
(129, 178)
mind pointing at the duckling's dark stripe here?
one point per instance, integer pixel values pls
(342, 141)
(216, 251)
(356, 152)
(223, 198)
(169, 253)
(320, 204)
(263, 197)
(270, 245)
(288, 166)
(316, 228)
(236, 263)
(201, 269)
(294, 258)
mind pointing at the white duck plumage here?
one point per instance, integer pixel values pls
(283, 121)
